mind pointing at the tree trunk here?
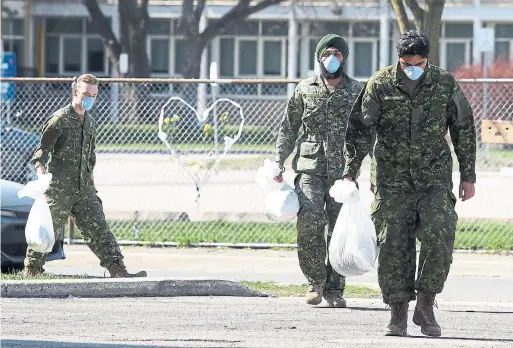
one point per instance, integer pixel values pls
(192, 68)
(139, 63)
(432, 27)
(402, 18)
(427, 21)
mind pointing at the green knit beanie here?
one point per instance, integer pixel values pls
(331, 40)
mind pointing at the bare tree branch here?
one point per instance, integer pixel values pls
(402, 17)
(188, 21)
(241, 11)
(200, 7)
(103, 27)
(418, 12)
(143, 10)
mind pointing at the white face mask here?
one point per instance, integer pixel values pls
(331, 64)
(414, 72)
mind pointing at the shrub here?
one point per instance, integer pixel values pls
(499, 94)
(147, 133)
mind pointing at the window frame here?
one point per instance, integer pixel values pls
(504, 40)
(260, 59)
(9, 40)
(443, 50)
(170, 63)
(84, 37)
(375, 59)
(236, 65)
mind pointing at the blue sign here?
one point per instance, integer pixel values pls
(8, 70)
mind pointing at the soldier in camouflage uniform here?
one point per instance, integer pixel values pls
(409, 107)
(320, 106)
(67, 150)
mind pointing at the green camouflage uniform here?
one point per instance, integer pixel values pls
(318, 163)
(412, 172)
(67, 150)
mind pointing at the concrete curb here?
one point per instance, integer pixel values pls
(103, 288)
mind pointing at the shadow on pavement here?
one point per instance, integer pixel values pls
(476, 339)
(8, 343)
(482, 312)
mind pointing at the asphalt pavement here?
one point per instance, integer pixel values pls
(238, 322)
(473, 277)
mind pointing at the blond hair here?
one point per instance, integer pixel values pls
(90, 79)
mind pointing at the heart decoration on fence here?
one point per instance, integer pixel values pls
(213, 165)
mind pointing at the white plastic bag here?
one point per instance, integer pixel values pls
(353, 246)
(281, 200)
(39, 231)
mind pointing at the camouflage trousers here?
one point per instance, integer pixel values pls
(317, 208)
(400, 219)
(87, 214)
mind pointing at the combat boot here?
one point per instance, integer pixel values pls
(314, 295)
(335, 298)
(424, 315)
(399, 320)
(118, 270)
(32, 271)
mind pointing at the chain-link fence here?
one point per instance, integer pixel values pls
(196, 189)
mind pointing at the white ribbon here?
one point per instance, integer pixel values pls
(228, 141)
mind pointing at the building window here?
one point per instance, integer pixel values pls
(159, 26)
(13, 39)
(227, 57)
(72, 46)
(52, 56)
(158, 43)
(365, 65)
(95, 56)
(64, 26)
(504, 41)
(274, 52)
(457, 55)
(159, 55)
(72, 54)
(456, 45)
(248, 55)
(180, 56)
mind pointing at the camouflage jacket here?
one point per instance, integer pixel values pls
(323, 117)
(67, 150)
(411, 152)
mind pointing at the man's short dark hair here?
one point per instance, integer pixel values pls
(412, 43)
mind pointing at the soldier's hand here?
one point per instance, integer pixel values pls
(348, 178)
(372, 188)
(467, 190)
(278, 179)
(40, 171)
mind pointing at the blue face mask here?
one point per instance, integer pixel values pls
(87, 103)
(414, 72)
(331, 64)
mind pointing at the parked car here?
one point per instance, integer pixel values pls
(18, 147)
(15, 212)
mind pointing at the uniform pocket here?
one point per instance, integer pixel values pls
(309, 150)
(453, 198)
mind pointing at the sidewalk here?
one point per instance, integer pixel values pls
(473, 277)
